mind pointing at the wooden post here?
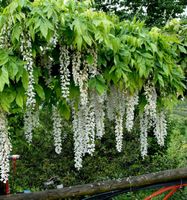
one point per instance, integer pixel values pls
(105, 186)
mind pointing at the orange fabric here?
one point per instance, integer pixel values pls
(170, 194)
(165, 189)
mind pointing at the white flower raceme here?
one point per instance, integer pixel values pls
(80, 77)
(54, 40)
(150, 107)
(90, 130)
(28, 124)
(5, 148)
(64, 72)
(85, 128)
(119, 111)
(119, 131)
(143, 135)
(76, 65)
(57, 129)
(147, 119)
(3, 37)
(93, 67)
(83, 85)
(160, 130)
(78, 133)
(97, 102)
(26, 50)
(31, 121)
(114, 99)
(5, 34)
(131, 102)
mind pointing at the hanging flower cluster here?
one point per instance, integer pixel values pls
(119, 115)
(97, 102)
(26, 50)
(80, 76)
(131, 102)
(5, 35)
(78, 138)
(57, 129)
(148, 118)
(88, 122)
(76, 67)
(31, 121)
(115, 111)
(84, 133)
(152, 119)
(143, 135)
(160, 130)
(5, 148)
(64, 72)
(82, 71)
(93, 71)
(150, 107)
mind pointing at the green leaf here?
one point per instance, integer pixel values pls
(64, 110)
(160, 80)
(90, 59)
(5, 104)
(16, 32)
(12, 69)
(40, 91)
(87, 39)
(20, 97)
(6, 98)
(78, 41)
(3, 57)
(44, 28)
(147, 55)
(97, 83)
(142, 70)
(100, 88)
(3, 78)
(182, 49)
(25, 79)
(154, 47)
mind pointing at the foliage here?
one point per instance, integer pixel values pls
(128, 53)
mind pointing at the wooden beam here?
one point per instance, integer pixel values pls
(101, 187)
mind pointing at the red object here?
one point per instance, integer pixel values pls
(165, 189)
(7, 190)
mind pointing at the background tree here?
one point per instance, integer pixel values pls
(155, 12)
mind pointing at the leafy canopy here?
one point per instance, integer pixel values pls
(129, 55)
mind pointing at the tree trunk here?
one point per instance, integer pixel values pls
(101, 187)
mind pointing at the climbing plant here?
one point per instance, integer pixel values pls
(86, 67)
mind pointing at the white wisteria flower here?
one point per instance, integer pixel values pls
(143, 135)
(131, 102)
(64, 72)
(57, 129)
(160, 130)
(5, 148)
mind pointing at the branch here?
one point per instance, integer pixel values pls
(101, 187)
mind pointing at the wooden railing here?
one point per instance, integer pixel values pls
(101, 187)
